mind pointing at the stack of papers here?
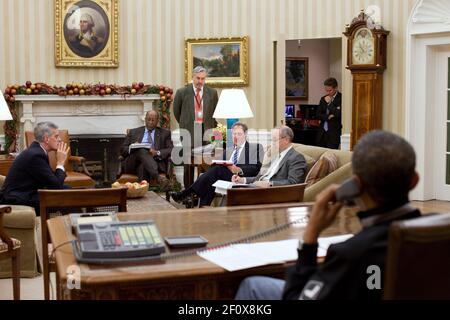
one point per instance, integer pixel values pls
(222, 162)
(222, 186)
(250, 255)
(139, 146)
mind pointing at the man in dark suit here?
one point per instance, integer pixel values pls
(31, 170)
(193, 107)
(286, 167)
(146, 163)
(329, 114)
(246, 158)
(383, 175)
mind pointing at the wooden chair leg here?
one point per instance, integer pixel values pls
(45, 262)
(16, 273)
(58, 285)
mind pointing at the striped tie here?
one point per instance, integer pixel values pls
(235, 156)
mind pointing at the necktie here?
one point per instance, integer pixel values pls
(325, 124)
(235, 155)
(198, 107)
(149, 138)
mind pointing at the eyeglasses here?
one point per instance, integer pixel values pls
(278, 139)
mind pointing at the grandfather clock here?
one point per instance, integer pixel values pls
(366, 59)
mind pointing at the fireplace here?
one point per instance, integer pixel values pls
(96, 125)
(101, 152)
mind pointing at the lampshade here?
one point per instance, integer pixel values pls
(233, 104)
(5, 114)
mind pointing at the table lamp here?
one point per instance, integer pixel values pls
(5, 114)
(232, 105)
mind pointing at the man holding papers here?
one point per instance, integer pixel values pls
(145, 148)
(287, 166)
(384, 173)
(245, 158)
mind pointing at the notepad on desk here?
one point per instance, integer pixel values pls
(249, 255)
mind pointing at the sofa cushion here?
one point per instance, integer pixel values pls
(310, 161)
(327, 163)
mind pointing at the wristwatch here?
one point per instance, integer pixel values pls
(158, 153)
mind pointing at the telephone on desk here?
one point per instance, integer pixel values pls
(117, 241)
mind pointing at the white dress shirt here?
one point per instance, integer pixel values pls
(274, 166)
(239, 150)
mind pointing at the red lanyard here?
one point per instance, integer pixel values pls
(198, 108)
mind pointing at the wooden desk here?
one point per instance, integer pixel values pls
(185, 278)
(5, 163)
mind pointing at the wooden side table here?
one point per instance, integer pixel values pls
(5, 163)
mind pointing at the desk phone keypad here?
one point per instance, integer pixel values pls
(119, 239)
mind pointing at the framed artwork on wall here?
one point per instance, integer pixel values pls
(86, 33)
(225, 59)
(296, 78)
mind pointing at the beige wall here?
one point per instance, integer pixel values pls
(152, 43)
(336, 59)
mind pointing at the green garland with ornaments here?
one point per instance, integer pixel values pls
(81, 89)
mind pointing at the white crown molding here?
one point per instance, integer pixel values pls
(430, 16)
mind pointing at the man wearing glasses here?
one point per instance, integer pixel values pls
(286, 167)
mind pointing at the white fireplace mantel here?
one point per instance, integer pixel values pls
(85, 114)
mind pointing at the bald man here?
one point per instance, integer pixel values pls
(146, 163)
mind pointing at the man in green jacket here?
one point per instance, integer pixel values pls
(193, 107)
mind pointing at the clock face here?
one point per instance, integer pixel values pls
(363, 50)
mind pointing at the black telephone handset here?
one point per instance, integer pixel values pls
(348, 191)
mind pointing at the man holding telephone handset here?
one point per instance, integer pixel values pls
(384, 173)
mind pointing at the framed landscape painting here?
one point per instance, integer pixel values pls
(296, 78)
(225, 59)
(86, 33)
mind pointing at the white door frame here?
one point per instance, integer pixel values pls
(442, 190)
(427, 33)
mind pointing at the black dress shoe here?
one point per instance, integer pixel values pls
(177, 196)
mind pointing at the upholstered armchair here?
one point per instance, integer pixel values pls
(10, 248)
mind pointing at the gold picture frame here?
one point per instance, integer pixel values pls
(211, 53)
(98, 46)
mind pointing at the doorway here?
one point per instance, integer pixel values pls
(428, 99)
(308, 62)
